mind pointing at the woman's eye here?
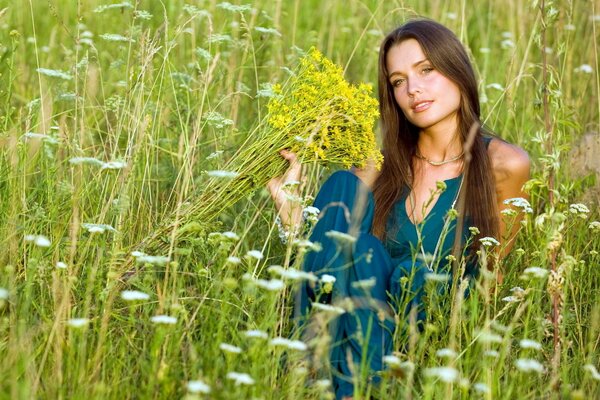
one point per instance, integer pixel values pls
(427, 70)
(397, 82)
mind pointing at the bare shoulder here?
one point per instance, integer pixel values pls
(368, 174)
(509, 162)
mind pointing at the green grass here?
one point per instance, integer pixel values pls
(148, 102)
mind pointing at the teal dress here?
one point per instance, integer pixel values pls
(368, 271)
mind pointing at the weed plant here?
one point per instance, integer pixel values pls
(113, 112)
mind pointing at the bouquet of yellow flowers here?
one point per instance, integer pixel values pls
(317, 114)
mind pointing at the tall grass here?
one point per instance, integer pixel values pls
(174, 95)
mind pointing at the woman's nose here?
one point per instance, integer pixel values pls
(413, 86)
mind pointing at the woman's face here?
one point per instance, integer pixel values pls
(427, 98)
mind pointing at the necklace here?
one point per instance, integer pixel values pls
(438, 163)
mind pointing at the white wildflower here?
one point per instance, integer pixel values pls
(518, 291)
(446, 353)
(529, 365)
(489, 241)
(197, 387)
(78, 322)
(326, 278)
(434, 277)
(530, 344)
(481, 387)
(328, 308)
(255, 333)
(233, 260)
(272, 285)
(38, 240)
(163, 319)
(133, 295)
(267, 31)
(451, 15)
(392, 361)
(222, 174)
(41, 136)
(365, 284)
(231, 235)
(592, 370)
(256, 254)
(86, 160)
(536, 272)
(234, 8)
(570, 27)
(340, 237)
(484, 50)
(240, 378)
(290, 344)
(61, 265)
(229, 348)
(445, 374)
(507, 34)
(266, 90)
(119, 6)
(3, 294)
(519, 202)
(499, 327)
(142, 14)
(53, 73)
(214, 154)
(474, 230)
(507, 44)
(594, 226)
(496, 86)
(217, 120)
(311, 210)
(508, 212)
(154, 260)
(136, 253)
(292, 273)
(114, 165)
(511, 299)
(98, 228)
(585, 68)
(491, 353)
(322, 384)
(115, 37)
(489, 337)
(307, 244)
(205, 54)
(581, 210)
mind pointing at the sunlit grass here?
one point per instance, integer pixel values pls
(115, 114)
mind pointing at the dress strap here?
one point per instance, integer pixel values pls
(487, 140)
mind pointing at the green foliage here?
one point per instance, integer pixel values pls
(113, 112)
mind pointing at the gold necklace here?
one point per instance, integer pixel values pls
(438, 163)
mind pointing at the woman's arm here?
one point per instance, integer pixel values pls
(511, 170)
(289, 211)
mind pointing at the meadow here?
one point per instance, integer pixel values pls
(113, 116)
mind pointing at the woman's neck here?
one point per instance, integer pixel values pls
(438, 145)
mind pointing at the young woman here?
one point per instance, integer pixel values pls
(397, 218)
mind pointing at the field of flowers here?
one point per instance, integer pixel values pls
(117, 118)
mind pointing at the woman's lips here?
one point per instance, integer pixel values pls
(421, 106)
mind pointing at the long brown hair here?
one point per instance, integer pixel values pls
(446, 54)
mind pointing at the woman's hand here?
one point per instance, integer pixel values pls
(285, 188)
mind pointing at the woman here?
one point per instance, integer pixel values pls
(398, 216)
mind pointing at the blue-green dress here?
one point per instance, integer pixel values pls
(368, 271)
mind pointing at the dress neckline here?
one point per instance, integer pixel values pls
(423, 222)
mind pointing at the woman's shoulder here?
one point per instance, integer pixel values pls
(509, 162)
